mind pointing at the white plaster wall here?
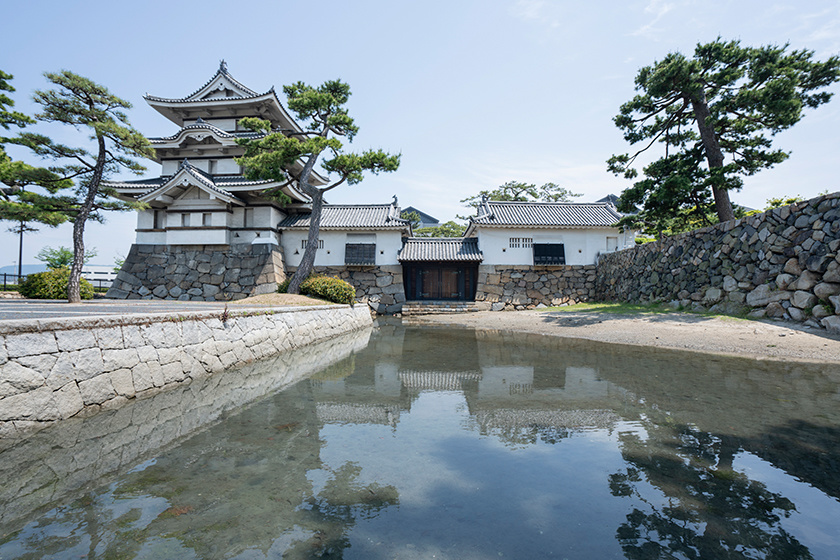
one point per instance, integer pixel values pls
(582, 246)
(151, 238)
(198, 237)
(224, 124)
(388, 244)
(223, 166)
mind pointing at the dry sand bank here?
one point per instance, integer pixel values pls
(681, 331)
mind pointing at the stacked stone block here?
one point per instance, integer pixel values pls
(528, 287)
(203, 273)
(781, 264)
(65, 368)
(380, 287)
(77, 453)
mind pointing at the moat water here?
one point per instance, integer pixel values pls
(419, 442)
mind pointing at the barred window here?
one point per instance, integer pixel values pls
(549, 253)
(360, 253)
(303, 243)
(521, 242)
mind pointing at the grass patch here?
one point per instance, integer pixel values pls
(613, 308)
(641, 309)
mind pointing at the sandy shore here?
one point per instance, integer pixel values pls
(682, 331)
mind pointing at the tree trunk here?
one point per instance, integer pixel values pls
(307, 262)
(75, 282)
(714, 155)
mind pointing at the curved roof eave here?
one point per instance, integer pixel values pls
(198, 180)
(169, 108)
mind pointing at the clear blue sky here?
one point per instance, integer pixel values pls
(472, 93)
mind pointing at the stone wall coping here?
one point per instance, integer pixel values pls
(99, 321)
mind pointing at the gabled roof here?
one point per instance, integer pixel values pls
(189, 175)
(221, 81)
(352, 216)
(425, 218)
(440, 249)
(237, 97)
(544, 215)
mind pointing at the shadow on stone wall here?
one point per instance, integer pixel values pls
(780, 264)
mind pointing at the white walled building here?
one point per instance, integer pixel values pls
(350, 235)
(208, 232)
(547, 233)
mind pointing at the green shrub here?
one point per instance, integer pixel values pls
(52, 284)
(283, 286)
(329, 288)
(641, 240)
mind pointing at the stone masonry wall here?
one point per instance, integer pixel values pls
(40, 470)
(782, 264)
(56, 369)
(198, 272)
(380, 287)
(527, 287)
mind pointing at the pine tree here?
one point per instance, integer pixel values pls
(74, 188)
(714, 114)
(273, 156)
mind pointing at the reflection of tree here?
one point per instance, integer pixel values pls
(335, 510)
(709, 510)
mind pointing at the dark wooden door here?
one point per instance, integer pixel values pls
(440, 282)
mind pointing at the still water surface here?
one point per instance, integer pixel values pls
(442, 443)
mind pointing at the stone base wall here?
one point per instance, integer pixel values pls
(783, 264)
(57, 369)
(78, 452)
(203, 273)
(527, 287)
(381, 287)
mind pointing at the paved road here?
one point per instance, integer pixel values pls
(17, 309)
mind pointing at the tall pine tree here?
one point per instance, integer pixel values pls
(714, 116)
(74, 188)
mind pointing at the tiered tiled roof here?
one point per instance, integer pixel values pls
(351, 216)
(440, 249)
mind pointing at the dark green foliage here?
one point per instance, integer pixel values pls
(275, 155)
(524, 192)
(52, 284)
(329, 288)
(61, 257)
(448, 229)
(412, 217)
(283, 287)
(714, 115)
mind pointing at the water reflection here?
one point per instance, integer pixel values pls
(457, 444)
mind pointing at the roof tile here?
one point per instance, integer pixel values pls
(547, 214)
(346, 216)
(440, 249)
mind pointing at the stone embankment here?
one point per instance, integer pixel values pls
(780, 264)
(56, 369)
(529, 287)
(198, 273)
(74, 454)
(380, 287)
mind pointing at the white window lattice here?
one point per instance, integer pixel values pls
(521, 242)
(303, 243)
